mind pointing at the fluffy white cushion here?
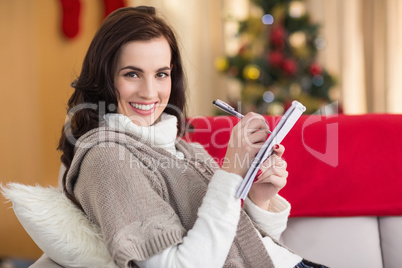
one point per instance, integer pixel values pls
(58, 227)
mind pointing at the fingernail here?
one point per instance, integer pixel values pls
(258, 174)
(242, 202)
(276, 147)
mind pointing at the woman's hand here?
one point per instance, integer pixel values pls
(271, 178)
(246, 139)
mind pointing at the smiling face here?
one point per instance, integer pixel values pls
(143, 80)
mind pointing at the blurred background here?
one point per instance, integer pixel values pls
(256, 54)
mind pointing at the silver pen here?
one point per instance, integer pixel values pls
(229, 109)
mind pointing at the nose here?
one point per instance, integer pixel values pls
(148, 90)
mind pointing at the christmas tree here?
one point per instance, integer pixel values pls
(277, 59)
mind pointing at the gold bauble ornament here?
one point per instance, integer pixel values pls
(221, 64)
(251, 72)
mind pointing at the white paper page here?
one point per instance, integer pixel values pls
(281, 130)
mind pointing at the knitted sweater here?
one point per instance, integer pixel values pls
(145, 200)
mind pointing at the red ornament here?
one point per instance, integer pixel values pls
(277, 37)
(71, 10)
(275, 58)
(278, 33)
(289, 66)
(112, 5)
(315, 69)
(243, 48)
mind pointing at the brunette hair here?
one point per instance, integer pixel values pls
(94, 88)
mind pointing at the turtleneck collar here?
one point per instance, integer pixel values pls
(161, 134)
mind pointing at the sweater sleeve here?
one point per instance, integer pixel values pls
(274, 221)
(208, 243)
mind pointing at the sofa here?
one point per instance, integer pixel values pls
(344, 185)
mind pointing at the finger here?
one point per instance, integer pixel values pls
(273, 161)
(255, 122)
(251, 149)
(272, 171)
(279, 149)
(257, 137)
(278, 181)
(279, 162)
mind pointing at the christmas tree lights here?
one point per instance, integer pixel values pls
(277, 59)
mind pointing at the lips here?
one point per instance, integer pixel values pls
(143, 108)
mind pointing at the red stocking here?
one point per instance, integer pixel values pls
(71, 14)
(112, 5)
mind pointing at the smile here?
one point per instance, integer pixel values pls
(143, 107)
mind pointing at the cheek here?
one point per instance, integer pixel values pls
(121, 95)
(122, 90)
(165, 93)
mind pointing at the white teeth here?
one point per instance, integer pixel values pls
(144, 107)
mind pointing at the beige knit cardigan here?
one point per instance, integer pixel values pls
(145, 199)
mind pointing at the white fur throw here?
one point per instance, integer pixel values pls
(58, 227)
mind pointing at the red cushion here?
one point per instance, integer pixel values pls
(338, 166)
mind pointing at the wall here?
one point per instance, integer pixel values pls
(37, 64)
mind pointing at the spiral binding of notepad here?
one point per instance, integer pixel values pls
(286, 123)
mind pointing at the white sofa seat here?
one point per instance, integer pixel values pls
(370, 242)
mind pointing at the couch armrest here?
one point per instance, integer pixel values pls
(391, 240)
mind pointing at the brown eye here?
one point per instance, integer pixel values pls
(162, 75)
(131, 75)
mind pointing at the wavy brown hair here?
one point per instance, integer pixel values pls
(94, 88)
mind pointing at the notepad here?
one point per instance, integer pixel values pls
(281, 130)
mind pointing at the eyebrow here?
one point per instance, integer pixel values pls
(141, 70)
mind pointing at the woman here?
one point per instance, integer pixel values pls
(159, 201)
